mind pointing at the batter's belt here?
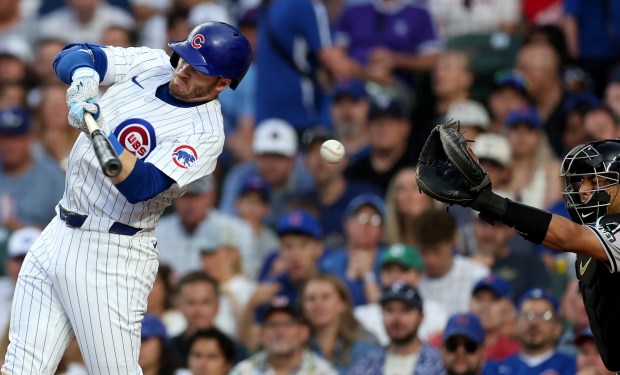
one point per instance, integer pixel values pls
(75, 220)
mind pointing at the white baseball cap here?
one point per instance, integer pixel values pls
(275, 136)
(469, 113)
(494, 147)
(21, 240)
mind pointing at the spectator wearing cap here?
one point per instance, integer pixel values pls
(495, 155)
(195, 213)
(589, 361)
(275, 147)
(473, 119)
(402, 263)
(211, 352)
(335, 333)
(221, 260)
(285, 273)
(283, 335)
(448, 277)
(197, 298)
(389, 128)
(601, 124)
(30, 184)
(253, 205)
(357, 263)
(491, 302)
(15, 58)
(509, 92)
(538, 329)
(535, 180)
(349, 116)
(576, 107)
(401, 305)
(332, 192)
(462, 349)
(156, 357)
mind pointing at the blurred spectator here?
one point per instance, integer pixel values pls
(576, 108)
(591, 36)
(198, 301)
(285, 273)
(448, 277)
(332, 193)
(119, 36)
(473, 118)
(163, 27)
(208, 10)
(495, 155)
(462, 350)
(406, 354)
(30, 185)
(521, 266)
(20, 242)
(283, 334)
(220, 258)
(402, 263)
(12, 95)
(296, 96)
(535, 180)
(538, 329)
(195, 213)
(491, 301)
(457, 17)
(612, 93)
(574, 316)
(43, 64)
(252, 206)
(54, 133)
(601, 123)
(388, 128)
(589, 361)
(540, 64)
(143, 10)
(13, 23)
(15, 56)
(335, 333)
(275, 147)
(452, 80)
(239, 106)
(210, 353)
(156, 356)
(83, 21)
(551, 35)
(160, 302)
(401, 40)
(357, 264)
(509, 93)
(403, 204)
(349, 117)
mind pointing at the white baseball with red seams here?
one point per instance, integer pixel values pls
(332, 151)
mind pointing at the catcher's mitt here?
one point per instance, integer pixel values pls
(448, 170)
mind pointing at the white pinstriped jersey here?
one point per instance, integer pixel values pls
(182, 141)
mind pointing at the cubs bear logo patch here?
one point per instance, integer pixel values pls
(184, 156)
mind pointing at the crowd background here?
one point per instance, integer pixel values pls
(281, 252)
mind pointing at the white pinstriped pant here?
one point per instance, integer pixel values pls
(89, 284)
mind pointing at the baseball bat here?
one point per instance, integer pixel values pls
(109, 161)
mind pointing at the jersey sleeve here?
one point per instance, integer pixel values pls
(189, 158)
(606, 234)
(315, 25)
(124, 63)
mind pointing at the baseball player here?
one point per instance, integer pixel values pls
(591, 173)
(90, 271)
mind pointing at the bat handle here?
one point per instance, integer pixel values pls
(109, 161)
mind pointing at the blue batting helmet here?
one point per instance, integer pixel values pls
(215, 49)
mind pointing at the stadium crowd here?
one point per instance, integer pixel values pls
(282, 263)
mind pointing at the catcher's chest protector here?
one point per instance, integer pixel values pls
(600, 290)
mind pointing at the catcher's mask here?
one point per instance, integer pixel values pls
(592, 160)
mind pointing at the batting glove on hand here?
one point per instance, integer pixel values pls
(81, 97)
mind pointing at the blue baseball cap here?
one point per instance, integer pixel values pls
(351, 88)
(256, 184)
(386, 106)
(300, 222)
(365, 200)
(527, 115)
(153, 327)
(14, 121)
(402, 292)
(500, 287)
(279, 303)
(539, 293)
(464, 324)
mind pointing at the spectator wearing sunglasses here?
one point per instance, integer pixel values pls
(358, 263)
(538, 329)
(462, 350)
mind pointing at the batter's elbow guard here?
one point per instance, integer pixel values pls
(75, 56)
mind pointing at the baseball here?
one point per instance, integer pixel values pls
(332, 151)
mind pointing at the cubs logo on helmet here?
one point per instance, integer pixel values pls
(136, 136)
(198, 40)
(184, 156)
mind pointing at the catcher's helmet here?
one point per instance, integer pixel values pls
(593, 159)
(215, 49)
